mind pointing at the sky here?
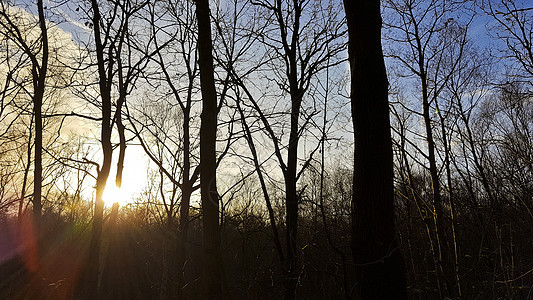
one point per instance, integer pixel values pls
(135, 166)
(136, 162)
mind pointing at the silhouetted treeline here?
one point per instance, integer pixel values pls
(304, 149)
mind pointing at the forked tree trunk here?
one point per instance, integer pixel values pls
(107, 151)
(379, 264)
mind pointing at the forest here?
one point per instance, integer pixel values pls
(266, 149)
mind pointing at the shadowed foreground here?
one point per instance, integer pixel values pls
(139, 259)
(64, 258)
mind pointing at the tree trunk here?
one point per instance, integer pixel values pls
(444, 269)
(451, 203)
(379, 264)
(209, 196)
(292, 263)
(107, 151)
(39, 78)
(98, 220)
(183, 236)
(122, 147)
(25, 177)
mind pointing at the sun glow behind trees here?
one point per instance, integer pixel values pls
(481, 145)
(62, 101)
(114, 194)
(136, 169)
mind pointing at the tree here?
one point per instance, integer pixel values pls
(166, 123)
(37, 53)
(115, 76)
(514, 26)
(212, 269)
(378, 260)
(298, 42)
(105, 85)
(422, 35)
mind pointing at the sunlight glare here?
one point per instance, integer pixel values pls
(113, 194)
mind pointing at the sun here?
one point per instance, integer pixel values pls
(133, 180)
(114, 194)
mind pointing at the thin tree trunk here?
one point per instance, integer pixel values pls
(380, 269)
(292, 263)
(25, 177)
(107, 151)
(268, 202)
(447, 152)
(122, 147)
(445, 273)
(39, 78)
(183, 237)
(419, 205)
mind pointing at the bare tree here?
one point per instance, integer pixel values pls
(117, 71)
(293, 54)
(421, 35)
(37, 52)
(212, 269)
(378, 261)
(513, 26)
(166, 127)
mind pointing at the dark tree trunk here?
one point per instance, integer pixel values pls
(454, 267)
(266, 195)
(444, 269)
(38, 166)
(25, 177)
(292, 263)
(186, 191)
(39, 78)
(183, 237)
(92, 275)
(122, 147)
(208, 189)
(379, 264)
(440, 253)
